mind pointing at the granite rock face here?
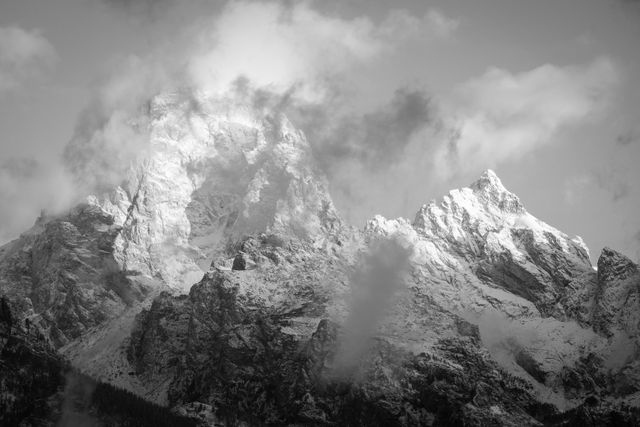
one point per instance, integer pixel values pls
(617, 295)
(62, 275)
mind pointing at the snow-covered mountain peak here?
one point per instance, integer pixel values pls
(484, 206)
(489, 179)
(209, 170)
(484, 229)
(489, 189)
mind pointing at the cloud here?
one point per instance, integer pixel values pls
(27, 187)
(274, 55)
(278, 56)
(375, 139)
(23, 55)
(279, 47)
(111, 133)
(379, 275)
(401, 25)
(502, 116)
(442, 25)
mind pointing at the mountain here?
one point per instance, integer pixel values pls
(217, 278)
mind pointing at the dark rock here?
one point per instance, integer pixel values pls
(67, 276)
(613, 265)
(530, 365)
(239, 262)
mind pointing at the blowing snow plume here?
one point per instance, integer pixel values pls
(378, 277)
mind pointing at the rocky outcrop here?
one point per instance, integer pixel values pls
(62, 275)
(617, 296)
(31, 374)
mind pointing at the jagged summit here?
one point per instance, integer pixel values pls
(490, 190)
(488, 180)
(474, 227)
(485, 203)
(211, 170)
(615, 264)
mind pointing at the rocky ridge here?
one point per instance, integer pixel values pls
(500, 319)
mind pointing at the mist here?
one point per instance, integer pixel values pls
(76, 404)
(504, 338)
(378, 277)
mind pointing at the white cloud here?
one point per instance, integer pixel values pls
(401, 25)
(503, 116)
(442, 25)
(27, 186)
(279, 47)
(23, 54)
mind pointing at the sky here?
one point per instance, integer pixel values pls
(401, 101)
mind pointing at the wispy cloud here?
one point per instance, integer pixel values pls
(379, 276)
(24, 54)
(401, 24)
(503, 116)
(26, 187)
(376, 139)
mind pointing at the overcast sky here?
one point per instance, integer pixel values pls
(402, 101)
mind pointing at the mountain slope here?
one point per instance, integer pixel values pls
(215, 276)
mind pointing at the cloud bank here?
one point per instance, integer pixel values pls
(279, 47)
(504, 116)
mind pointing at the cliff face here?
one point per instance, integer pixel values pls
(63, 277)
(218, 278)
(210, 171)
(485, 283)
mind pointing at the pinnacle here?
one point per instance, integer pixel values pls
(490, 189)
(489, 181)
(614, 264)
